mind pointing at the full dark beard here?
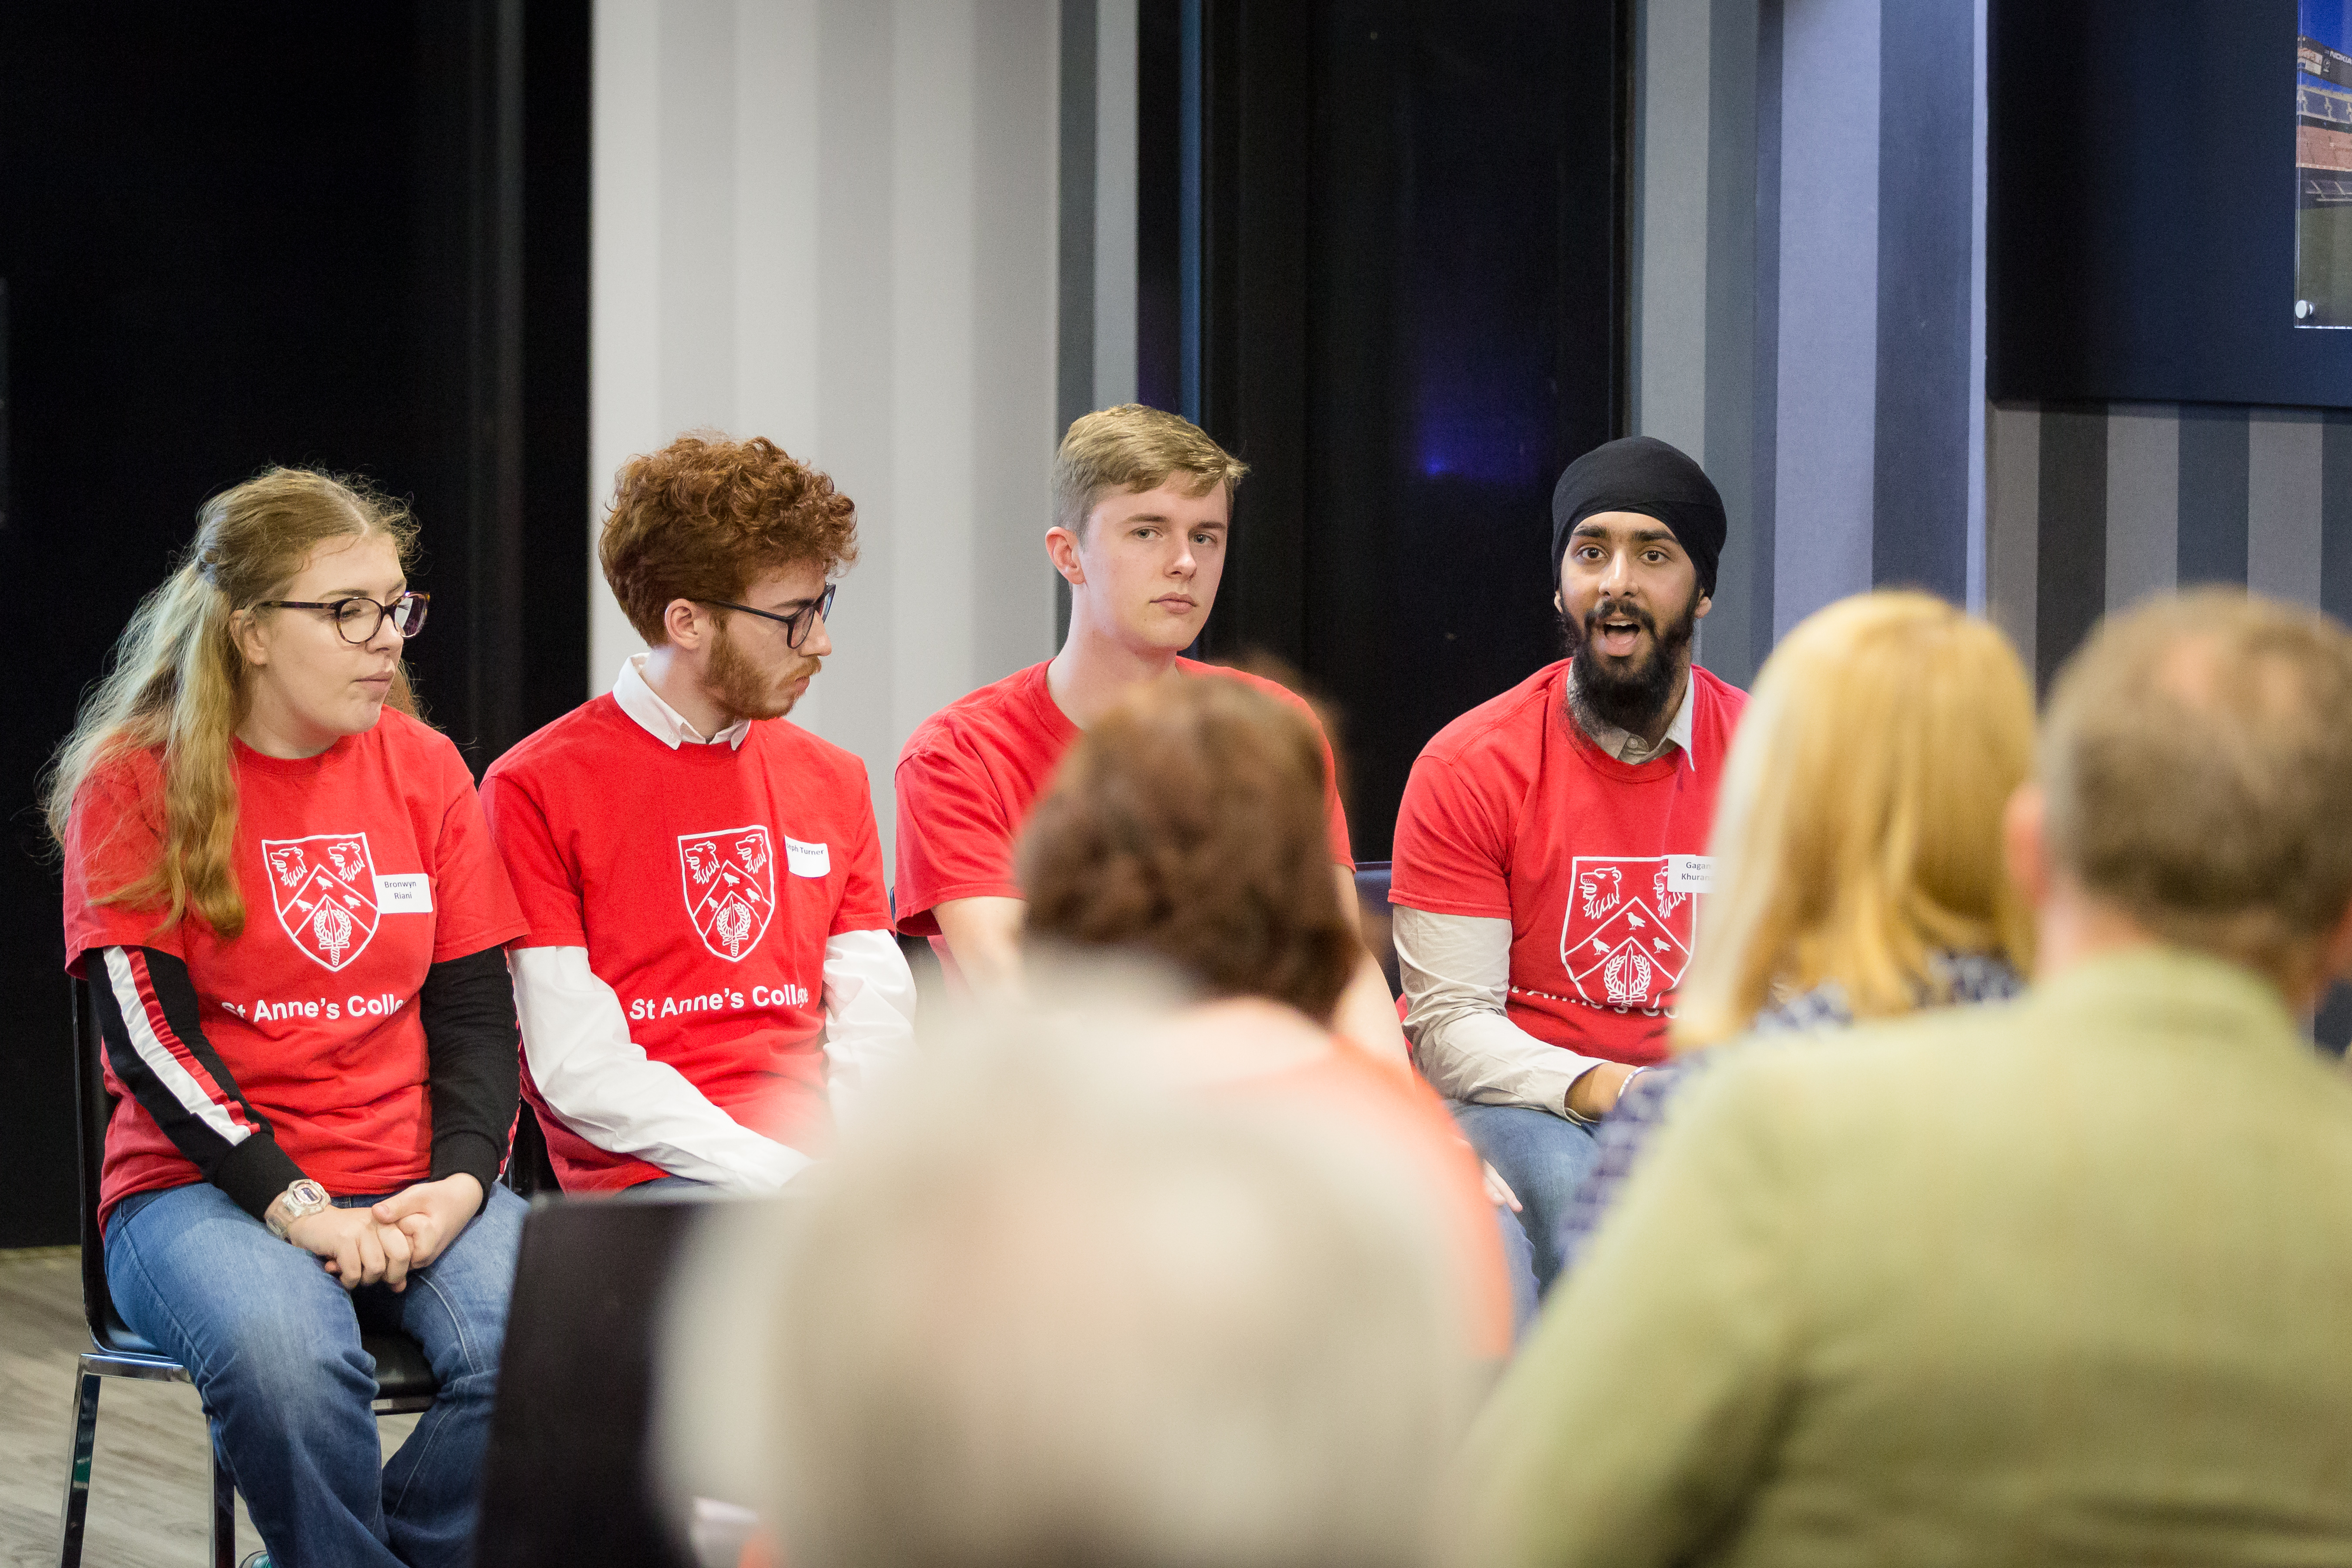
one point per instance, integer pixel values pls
(741, 687)
(1631, 697)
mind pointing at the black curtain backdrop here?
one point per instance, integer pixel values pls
(350, 236)
(1412, 297)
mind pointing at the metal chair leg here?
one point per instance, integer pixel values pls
(84, 1440)
(223, 1503)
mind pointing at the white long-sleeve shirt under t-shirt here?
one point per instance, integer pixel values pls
(593, 1074)
(1456, 971)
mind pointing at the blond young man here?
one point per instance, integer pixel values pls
(1142, 513)
(2059, 1281)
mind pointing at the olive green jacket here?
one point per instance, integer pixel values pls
(2061, 1280)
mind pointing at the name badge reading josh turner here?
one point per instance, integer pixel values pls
(807, 860)
(411, 893)
(1690, 874)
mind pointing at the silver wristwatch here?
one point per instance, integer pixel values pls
(299, 1201)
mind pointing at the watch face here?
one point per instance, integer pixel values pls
(306, 1194)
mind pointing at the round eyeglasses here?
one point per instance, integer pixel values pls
(358, 619)
(798, 624)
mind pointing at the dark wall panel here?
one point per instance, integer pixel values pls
(1414, 262)
(279, 234)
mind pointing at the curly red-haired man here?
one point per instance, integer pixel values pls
(709, 978)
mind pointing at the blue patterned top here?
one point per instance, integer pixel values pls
(1966, 977)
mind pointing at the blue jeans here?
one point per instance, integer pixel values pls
(272, 1343)
(1544, 1157)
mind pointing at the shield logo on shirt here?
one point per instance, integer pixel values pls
(730, 887)
(1620, 943)
(324, 887)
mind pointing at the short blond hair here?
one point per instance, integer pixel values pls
(2198, 759)
(1858, 832)
(1131, 448)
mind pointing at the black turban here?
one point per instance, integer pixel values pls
(1642, 474)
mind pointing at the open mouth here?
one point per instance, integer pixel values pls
(1617, 635)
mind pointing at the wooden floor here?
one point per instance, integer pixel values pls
(147, 1496)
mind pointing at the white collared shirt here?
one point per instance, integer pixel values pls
(665, 724)
(1624, 744)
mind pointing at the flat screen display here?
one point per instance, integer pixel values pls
(2323, 165)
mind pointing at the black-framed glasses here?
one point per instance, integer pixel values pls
(797, 624)
(358, 619)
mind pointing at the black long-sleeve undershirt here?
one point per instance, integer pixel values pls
(473, 1053)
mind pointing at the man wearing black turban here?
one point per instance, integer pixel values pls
(1552, 842)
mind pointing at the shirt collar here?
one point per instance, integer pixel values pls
(665, 724)
(1626, 746)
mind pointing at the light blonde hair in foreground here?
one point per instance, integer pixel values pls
(1132, 448)
(2196, 758)
(1057, 1310)
(1858, 829)
(177, 683)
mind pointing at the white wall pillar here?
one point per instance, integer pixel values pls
(831, 222)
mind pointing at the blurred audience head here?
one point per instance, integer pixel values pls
(703, 516)
(1048, 1311)
(1132, 448)
(1187, 826)
(2196, 771)
(1858, 832)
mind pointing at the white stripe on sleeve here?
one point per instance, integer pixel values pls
(158, 1058)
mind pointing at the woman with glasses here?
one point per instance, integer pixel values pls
(282, 894)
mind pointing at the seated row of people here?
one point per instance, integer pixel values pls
(348, 1089)
(681, 903)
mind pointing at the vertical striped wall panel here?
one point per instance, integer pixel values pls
(2090, 509)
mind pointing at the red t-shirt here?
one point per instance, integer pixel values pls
(971, 770)
(362, 868)
(704, 882)
(1512, 813)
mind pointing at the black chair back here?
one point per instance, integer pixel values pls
(93, 1108)
(1372, 902)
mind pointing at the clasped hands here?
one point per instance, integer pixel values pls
(379, 1245)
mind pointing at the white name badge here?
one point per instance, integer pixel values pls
(807, 860)
(410, 893)
(1690, 874)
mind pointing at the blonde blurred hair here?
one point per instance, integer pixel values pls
(1132, 448)
(178, 685)
(1858, 830)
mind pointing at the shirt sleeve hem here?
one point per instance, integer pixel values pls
(447, 948)
(467, 1153)
(947, 895)
(1448, 906)
(254, 1172)
(538, 936)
